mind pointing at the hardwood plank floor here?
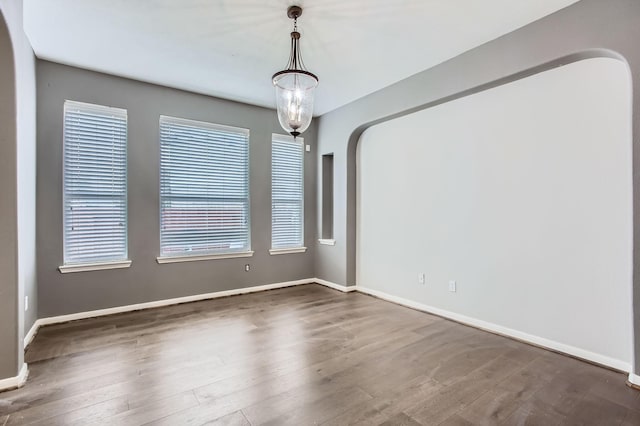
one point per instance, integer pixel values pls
(303, 355)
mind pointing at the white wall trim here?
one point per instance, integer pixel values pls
(498, 329)
(84, 267)
(176, 259)
(16, 381)
(28, 338)
(342, 288)
(168, 302)
(275, 252)
(327, 242)
(483, 325)
(634, 379)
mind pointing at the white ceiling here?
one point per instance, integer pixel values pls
(230, 48)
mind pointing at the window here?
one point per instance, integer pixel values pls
(287, 194)
(94, 184)
(204, 189)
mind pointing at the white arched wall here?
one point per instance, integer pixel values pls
(521, 194)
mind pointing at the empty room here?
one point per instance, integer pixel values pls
(367, 212)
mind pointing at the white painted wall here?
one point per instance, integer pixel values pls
(522, 194)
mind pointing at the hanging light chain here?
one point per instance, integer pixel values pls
(295, 57)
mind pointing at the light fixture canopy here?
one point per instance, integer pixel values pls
(295, 86)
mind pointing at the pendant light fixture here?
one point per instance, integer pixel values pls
(295, 85)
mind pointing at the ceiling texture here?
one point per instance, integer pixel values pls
(230, 48)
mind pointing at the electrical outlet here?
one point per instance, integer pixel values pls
(452, 286)
(421, 278)
(26, 303)
(247, 267)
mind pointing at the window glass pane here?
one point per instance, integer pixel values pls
(204, 188)
(95, 183)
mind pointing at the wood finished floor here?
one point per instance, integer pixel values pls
(301, 356)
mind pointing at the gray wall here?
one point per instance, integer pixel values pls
(589, 28)
(146, 280)
(8, 208)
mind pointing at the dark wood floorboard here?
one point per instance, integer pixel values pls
(303, 355)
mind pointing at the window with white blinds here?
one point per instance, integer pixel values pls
(94, 183)
(287, 192)
(204, 188)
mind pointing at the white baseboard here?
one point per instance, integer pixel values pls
(17, 381)
(168, 302)
(634, 379)
(342, 288)
(494, 328)
(498, 329)
(28, 338)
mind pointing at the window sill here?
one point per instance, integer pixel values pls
(331, 242)
(196, 258)
(85, 267)
(275, 252)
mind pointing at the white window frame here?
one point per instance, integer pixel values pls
(299, 246)
(186, 256)
(76, 263)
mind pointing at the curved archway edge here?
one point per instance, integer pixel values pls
(354, 137)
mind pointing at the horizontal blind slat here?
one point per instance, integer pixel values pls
(204, 188)
(95, 183)
(287, 193)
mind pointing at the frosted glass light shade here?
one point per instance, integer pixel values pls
(294, 99)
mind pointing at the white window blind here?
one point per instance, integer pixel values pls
(204, 188)
(94, 183)
(287, 192)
